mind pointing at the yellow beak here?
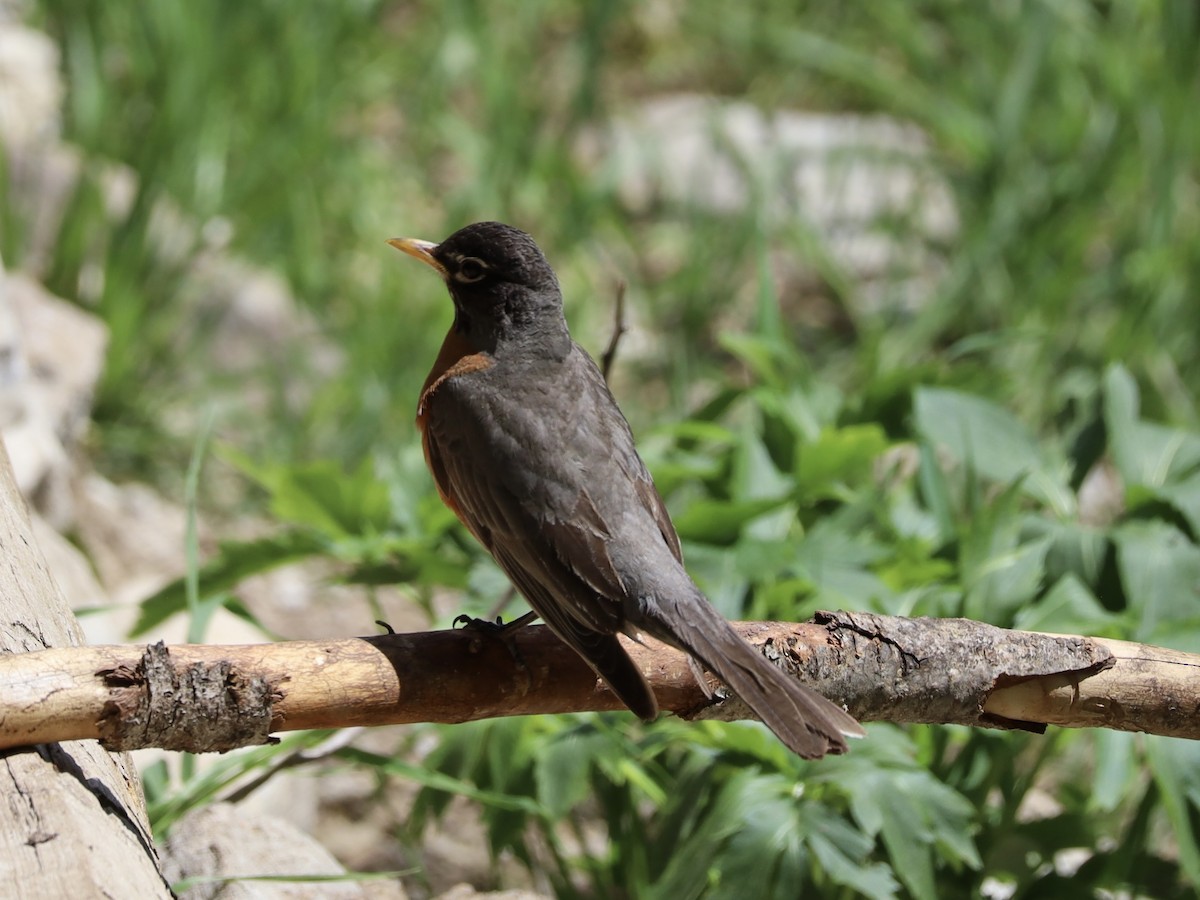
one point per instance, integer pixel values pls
(422, 250)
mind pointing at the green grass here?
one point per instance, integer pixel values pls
(1062, 330)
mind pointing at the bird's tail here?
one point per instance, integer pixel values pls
(610, 661)
(810, 725)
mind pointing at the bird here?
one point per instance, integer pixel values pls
(528, 448)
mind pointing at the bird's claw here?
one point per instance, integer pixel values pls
(500, 630)
(497, 627)
(472, 623)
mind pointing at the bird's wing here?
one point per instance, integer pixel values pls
(650, 498)
(541, 489)
(602, 651)
(511, 492)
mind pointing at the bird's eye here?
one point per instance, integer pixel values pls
(470, 270)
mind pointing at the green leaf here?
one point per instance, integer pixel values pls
(805, 412)
(1000, 572)
(750, 740)
(563, 766)
(624, 770)
(1121, 405)
(692, 862)
(907, 837)
(202, 613)
(838, 562)
(913, 812)
(1007, 582)
(698, 431)
(390, 558)
(322, 495)
(1144, 453)
(1069, 608)
(699, 453)
(234, 562)
(833, 842)
(1155, 455)
(442, 782)
(721, 521)
(720, 576)
(764, 560)
(1160, 572)
(841, 456)
(935, 487)
(1075, 549)
(768, 358)
(1184, 495)
(766, 846)
(223, 771)
(980, 434)
(1117, 770)
(1175, 764)
(753, 476)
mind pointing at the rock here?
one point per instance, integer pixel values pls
(72, 571)
(64, 347)
(358, 820)
(843, 177)
(132, 534)
(220, 843)
(136, 540)
(258, 346)
(31, 91)
(1101, 495)
(257, 316)
(51, 358)
(41, 174)
(302, 601)
(467, 892)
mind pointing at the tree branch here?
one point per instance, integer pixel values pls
(210, 697)
(619, 328)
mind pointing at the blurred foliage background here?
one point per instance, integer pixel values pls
(824, 438)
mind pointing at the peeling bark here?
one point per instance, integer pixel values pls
(201, 708)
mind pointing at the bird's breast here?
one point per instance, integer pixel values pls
(457, 357)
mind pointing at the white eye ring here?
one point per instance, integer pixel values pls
(470, 269)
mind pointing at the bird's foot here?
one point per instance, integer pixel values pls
(497, 628)
(503, 631)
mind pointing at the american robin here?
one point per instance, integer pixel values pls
(528, 448)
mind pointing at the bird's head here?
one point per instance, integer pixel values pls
(503, 289)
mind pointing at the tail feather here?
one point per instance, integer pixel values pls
(809, 724)
(605, 654)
